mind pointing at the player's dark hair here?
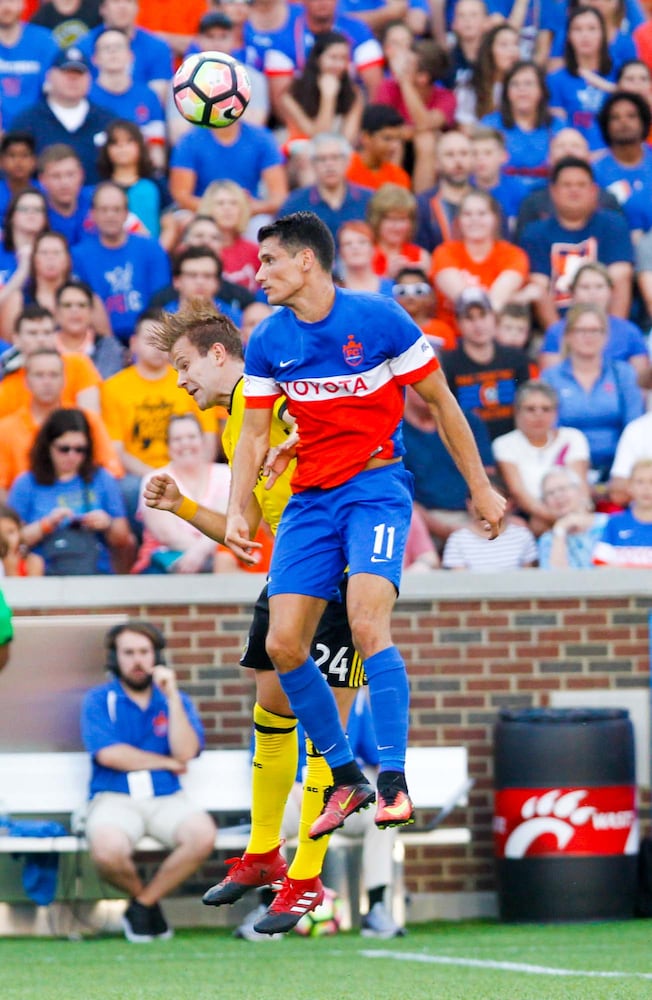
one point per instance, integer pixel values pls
(299, 231)
(202, 324)
(570, 161)
(642, 108)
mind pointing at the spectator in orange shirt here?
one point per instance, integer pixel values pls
(392, 215)
(381, 149)
(34, 329)
(414, 293)
(479, 258)
(45, 376)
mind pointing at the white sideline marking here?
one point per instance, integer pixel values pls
(478, 963)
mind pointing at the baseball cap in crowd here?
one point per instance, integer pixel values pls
(71, 58)
(470, 298)
(215, 19)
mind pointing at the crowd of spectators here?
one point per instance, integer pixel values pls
(486, 163)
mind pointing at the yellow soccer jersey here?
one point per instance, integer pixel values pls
(272, 502)
(137, 410)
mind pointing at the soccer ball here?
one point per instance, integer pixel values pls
(211, 89)
(324, 919)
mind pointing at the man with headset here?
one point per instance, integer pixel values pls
(141, 732)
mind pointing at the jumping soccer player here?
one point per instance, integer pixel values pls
(342, 359)
(206, 350)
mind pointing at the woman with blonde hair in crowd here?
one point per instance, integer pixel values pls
(228, 204)
(392, 215)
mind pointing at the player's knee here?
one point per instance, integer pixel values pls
(285, 650)
(368, 638)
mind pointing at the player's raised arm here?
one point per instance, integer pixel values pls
(162, 493)
(250, 452)
(456, 434)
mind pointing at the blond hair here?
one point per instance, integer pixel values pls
(390, 198)
(207, 201)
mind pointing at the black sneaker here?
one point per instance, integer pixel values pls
(137, 923)
(158, 924)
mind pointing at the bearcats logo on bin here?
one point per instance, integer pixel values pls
(539, 822)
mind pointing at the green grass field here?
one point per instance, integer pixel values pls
(437, 961)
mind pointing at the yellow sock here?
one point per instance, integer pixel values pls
(310, 854)
(274, 771)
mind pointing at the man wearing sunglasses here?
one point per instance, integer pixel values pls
(415, 294)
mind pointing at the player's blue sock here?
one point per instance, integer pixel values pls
(313, 704)
(389, 696)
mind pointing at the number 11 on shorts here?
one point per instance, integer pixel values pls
(383, 543)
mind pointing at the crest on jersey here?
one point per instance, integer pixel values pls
(352, 351)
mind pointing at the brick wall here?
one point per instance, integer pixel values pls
(467, 655)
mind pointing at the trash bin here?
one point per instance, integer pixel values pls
(565, 820)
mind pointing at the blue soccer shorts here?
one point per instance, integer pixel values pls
(362, 524)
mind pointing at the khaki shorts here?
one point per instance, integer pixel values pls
(158, 816)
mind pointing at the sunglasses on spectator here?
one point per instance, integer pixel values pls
(420, 289)
(65, 449)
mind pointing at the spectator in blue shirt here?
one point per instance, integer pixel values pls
(525, 120)
(141, 732)
(574, 234)
(578, 90)
(26, 52)
(596, 395)
(196, 275)
(334, 199)
(65, 113)
(17, 166)
(627, 537)
(244, 153)
(152, 56)
(625, 342)
(116, 90)
(124, 270)
(61, 178)
(625, 168)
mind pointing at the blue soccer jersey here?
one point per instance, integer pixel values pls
(343, 377)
